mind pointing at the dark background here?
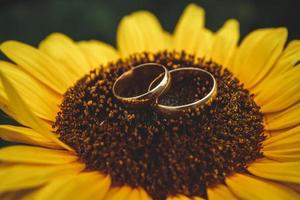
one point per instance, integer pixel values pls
(32, 20)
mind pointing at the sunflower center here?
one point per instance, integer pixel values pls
(164, 155)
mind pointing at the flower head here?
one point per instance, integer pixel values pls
(76, 136)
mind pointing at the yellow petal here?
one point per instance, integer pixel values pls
(178, 197)
(96, 186)
(91, 184)
(247, 187)
(188, 29)
(50, 188)
(205, 41)
(63, 50)
(284, 65)
(38, 64)
(38, 155)
(25, 116)
(25, 135)
(197, 198)
(117, 193)
(98, 53)
(283, 139)
(286, 92)
(284, 119)
(289, 58)
(220, 192)
(28, 176)
(144, 195)
(291, 154)
(283, 146)
(134, 195)
(257, 54)
(225, 43)
(4, 104)
(169, 39)
(278, 171)
(40, 99)
(138, 32)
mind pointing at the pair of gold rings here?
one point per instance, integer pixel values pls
(148, 83)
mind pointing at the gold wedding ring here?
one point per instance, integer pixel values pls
(150, 83)
(176, 75)
(132, 86)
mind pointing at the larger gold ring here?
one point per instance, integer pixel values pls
(201, 101)
(132, 86)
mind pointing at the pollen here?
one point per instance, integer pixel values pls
(165, 155)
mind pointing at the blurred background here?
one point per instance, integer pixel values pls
(31, 21)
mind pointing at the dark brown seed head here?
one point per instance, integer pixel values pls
(163, 155)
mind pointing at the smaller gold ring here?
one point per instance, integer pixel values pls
(175, 109)
(132, 86)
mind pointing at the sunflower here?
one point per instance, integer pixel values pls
(244, 145)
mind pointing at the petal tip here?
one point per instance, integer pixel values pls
(194, 7)
(283, 31)
(7, 45)
(55, 36)
(232, 22)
